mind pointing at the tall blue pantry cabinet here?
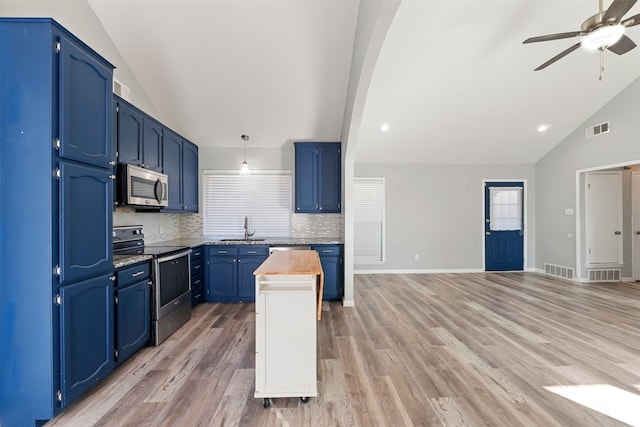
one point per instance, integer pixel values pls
(56, 267)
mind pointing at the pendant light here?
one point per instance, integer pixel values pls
(244, 169)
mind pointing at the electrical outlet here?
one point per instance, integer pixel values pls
(161, 229)
(416, 257)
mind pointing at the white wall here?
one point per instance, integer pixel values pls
(437, 211)
(78, 17)
(556, 173)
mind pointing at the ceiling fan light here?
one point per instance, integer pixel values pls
(603, 37)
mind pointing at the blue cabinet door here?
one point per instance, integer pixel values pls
(329, 177)
(132, 319)
(306, 177)
(172, 166)
(85, 106)
(331, 259)
(86, 335)
(221, 277)
(85, 222)
(189, 177)
(130, 122)
(151, 144)
(318, 177)
(246, 279)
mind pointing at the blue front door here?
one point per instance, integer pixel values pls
(504, 226)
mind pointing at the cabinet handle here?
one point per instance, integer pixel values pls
(223, 252)
(327, 250)
(197, 282)
(195, 254)
(137, 274)
(112, 278)
(197, 267)
(112, 163)
(252, 252)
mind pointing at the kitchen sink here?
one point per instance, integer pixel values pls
(242, 240)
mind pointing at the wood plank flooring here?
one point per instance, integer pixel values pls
(424, 350)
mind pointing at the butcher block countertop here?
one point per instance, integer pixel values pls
(294, 262)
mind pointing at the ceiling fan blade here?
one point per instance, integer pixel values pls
(624, 45)
(630, 22)
(617, 9)
(548, 37)
(558, 56)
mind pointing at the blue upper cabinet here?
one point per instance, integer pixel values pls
(180, 163)
(152, 145)
(172, 166)
(85, 106)
(189, 177)
(129, 139)
(318, 177)
(306, 177)
(139, 138)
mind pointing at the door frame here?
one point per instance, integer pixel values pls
(525, 219)
(580, 241)
(635, 225)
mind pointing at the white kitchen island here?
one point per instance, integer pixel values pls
(288, 305)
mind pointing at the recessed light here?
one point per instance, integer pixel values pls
(384, 127)
(542, 128)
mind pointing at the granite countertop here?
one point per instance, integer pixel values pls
(269, 241)
(120, 261)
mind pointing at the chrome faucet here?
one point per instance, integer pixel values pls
(246, 229)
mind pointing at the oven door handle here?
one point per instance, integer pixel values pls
(155, 190)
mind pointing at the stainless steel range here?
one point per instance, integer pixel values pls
(171, 274)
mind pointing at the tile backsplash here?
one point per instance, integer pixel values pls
(164, 226)
(157, 226)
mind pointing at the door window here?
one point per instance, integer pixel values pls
(505, 208)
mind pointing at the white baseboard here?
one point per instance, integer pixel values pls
(348, 303)
(423, 271)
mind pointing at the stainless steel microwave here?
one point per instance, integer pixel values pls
(141, 187)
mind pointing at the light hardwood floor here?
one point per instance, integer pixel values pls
(439, 349)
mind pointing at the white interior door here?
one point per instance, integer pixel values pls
(635, 222)
(603, 216)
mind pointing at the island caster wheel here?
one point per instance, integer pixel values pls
(266, 402)
(304, 399)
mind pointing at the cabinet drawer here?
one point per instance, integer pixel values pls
(197, 296)
(196, 280)
(222, 250)
(197, 254)
(253, 250)
(196, 267)
(132, 274)
(328, 250)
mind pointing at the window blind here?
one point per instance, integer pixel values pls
(505, 208)
(265, 198)
(368, 205)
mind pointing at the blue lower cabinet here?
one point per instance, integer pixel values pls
(229, 272)
(197, 275)
(332, 261)
(86, 336)
(133, 310)
(133, 321)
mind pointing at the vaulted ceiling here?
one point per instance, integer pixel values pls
(453, 80)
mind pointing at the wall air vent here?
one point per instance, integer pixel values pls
(559, 271)
(604, 274)
(596, 130)
(121, 90)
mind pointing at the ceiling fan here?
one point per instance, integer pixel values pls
(604, 30)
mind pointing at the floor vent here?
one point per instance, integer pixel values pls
(596, 130)
(559, 271)
(604, 274)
